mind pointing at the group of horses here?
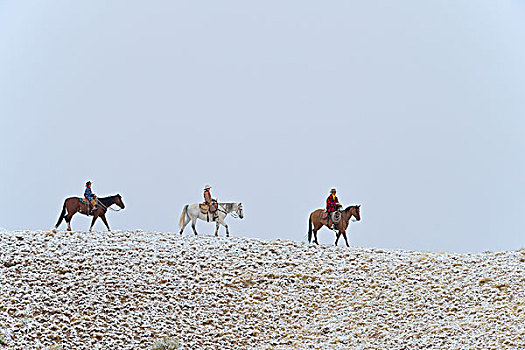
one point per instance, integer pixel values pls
(191, 213)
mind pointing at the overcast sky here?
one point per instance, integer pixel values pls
(413, 109)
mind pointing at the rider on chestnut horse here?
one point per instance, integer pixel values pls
(73, 205)
(332, 205)
(90, 196)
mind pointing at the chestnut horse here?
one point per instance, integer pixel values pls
(346, 214)
(74, 205)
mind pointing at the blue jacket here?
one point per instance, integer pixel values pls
(88, 194)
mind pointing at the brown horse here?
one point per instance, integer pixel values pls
(318, 222)
(74, 205)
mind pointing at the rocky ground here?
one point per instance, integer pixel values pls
(125, 289)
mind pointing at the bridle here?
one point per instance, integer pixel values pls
(356, 211)
(233, 213)
(107, 206)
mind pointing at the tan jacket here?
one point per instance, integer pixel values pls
(207, 197)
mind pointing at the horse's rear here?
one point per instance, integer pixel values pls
(71, 206)
(314, 224)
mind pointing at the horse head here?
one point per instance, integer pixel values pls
(119, 202)
(357, 212)
(354, 210)
(238, 210)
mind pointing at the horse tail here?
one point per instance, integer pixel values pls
(310, 228)
(183, 215)
(62, 215)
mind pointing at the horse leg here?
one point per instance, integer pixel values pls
(103, 217)
(317, 227)
(220, 220)
(193, 222)
(315, 237)
(217, 228)
(68, 220)
(337, 235)
(346, 240)
(184, 223)
(95, 216)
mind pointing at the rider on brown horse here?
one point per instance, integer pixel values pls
(90, 196)
(210, 202)
(332, 205)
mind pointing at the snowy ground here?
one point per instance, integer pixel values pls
(123, 290)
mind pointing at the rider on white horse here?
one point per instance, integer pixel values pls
(192, 212)
(210, 202)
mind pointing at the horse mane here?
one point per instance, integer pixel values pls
(350, 207)
(106, 200)
(228, 206)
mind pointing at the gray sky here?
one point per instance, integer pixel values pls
(413, 109)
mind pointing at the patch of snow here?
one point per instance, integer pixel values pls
(127, 289)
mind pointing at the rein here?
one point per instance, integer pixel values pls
(107, 206)
(222, 210)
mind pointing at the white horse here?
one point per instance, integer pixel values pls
(192, 212)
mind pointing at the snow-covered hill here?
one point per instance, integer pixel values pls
(123, 290)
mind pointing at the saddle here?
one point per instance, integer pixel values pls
(85, 201)
(335, 217)
(205, 208)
